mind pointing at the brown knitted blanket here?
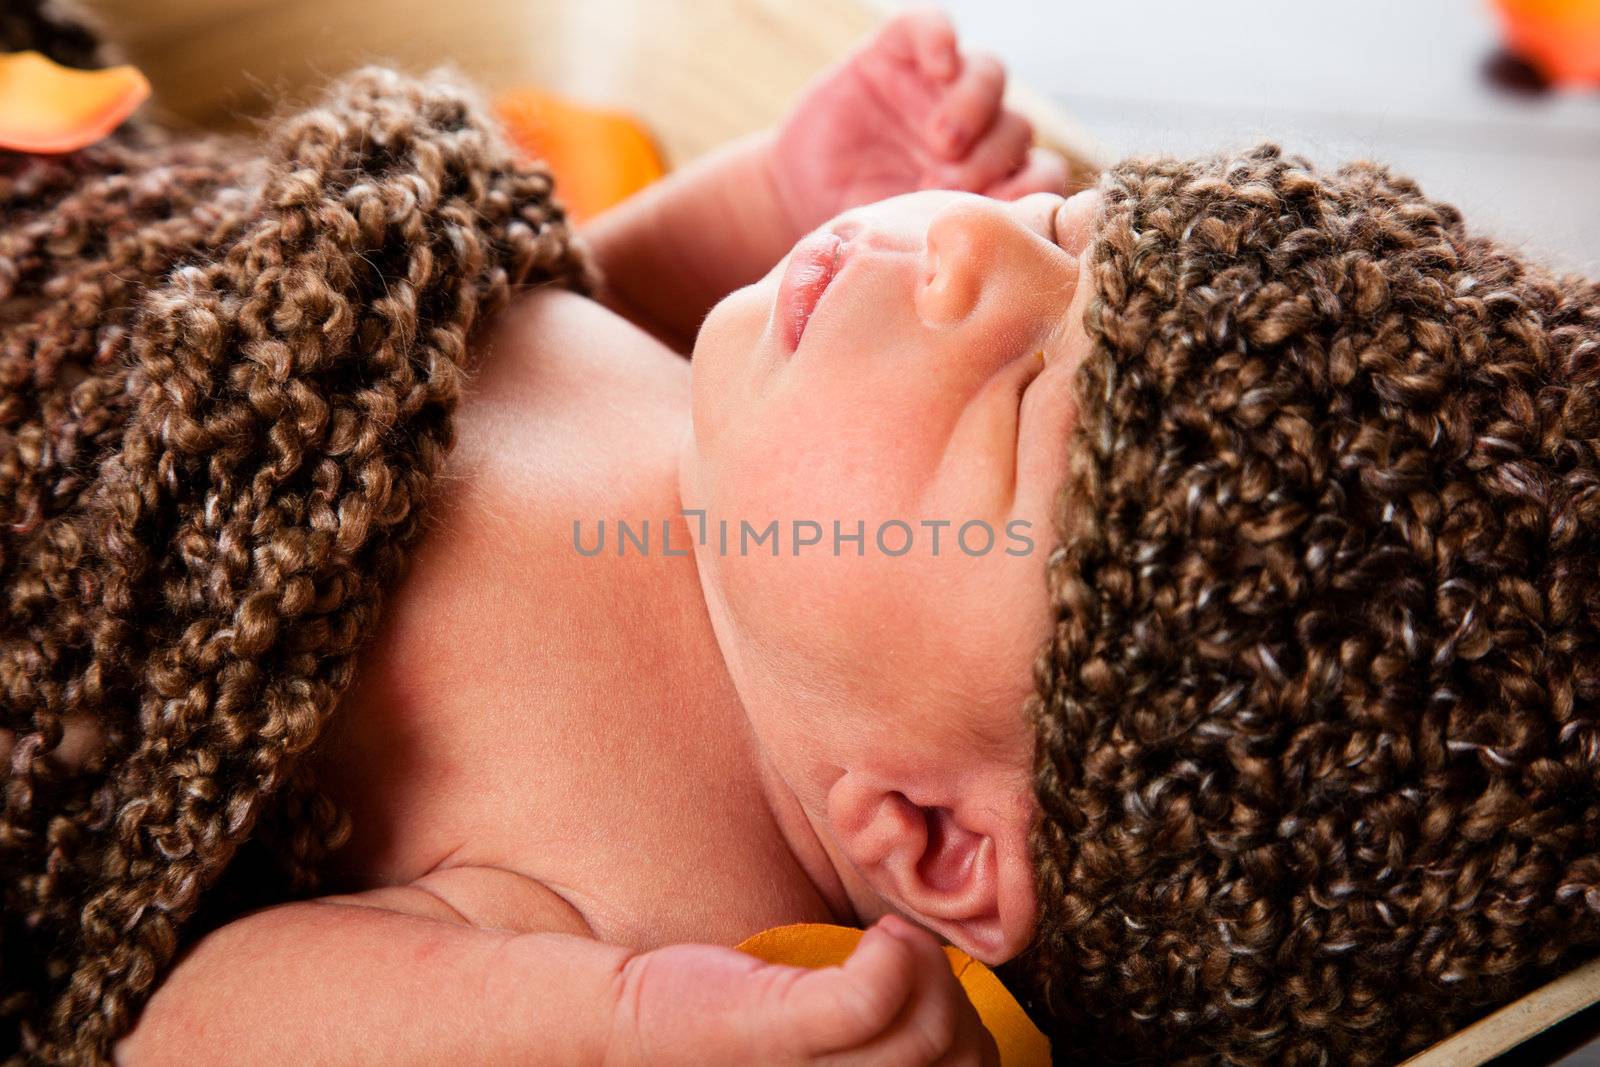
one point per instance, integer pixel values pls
(227, 378)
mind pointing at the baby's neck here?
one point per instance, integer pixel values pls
(849, 900)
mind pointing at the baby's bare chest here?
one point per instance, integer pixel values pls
(519, 709)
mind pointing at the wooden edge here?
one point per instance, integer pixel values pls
(1516, 1022)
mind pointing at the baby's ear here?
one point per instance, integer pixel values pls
(963, 867)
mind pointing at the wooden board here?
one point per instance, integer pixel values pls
(1516, 1022)
(698, 72)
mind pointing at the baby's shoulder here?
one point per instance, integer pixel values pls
(487, 897)
(560, 339)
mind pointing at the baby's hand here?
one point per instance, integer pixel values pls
(893, 1002)
(906, 111)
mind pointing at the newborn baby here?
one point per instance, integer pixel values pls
(573, 772)
(1182, 593)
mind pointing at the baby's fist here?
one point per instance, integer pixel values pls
(893, 1002)
(907, 110)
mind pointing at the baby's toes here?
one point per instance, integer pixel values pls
(969, 107)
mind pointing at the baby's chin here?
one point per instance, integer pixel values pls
(730, 338)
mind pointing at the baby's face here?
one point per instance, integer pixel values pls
(924, 404)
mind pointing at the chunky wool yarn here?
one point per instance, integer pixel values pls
(227, 378)
(1319, 725)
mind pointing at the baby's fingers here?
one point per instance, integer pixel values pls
(969, 107)
(938, 1027)
(1002, 152)
(1043, 172)
(836, 1009)
(924, 37)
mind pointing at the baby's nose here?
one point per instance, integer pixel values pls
(967, 245)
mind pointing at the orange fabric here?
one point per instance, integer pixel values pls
(598, 157)
(825, 945)
(1561, 38)
(45, 107)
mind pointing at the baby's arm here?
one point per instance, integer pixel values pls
(388, 977)
(397, 976)
(672, 251)
(907, 110)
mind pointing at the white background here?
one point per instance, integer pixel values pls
(1396, 80)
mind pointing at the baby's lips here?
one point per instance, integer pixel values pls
(48, 108)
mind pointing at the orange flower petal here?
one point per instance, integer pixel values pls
(1559, 37)
(597, 157)
(1020, 1042)
(45, 107)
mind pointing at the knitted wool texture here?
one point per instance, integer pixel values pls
(1317, 744)
(227, 376)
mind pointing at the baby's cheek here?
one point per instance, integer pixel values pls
(961, 636)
